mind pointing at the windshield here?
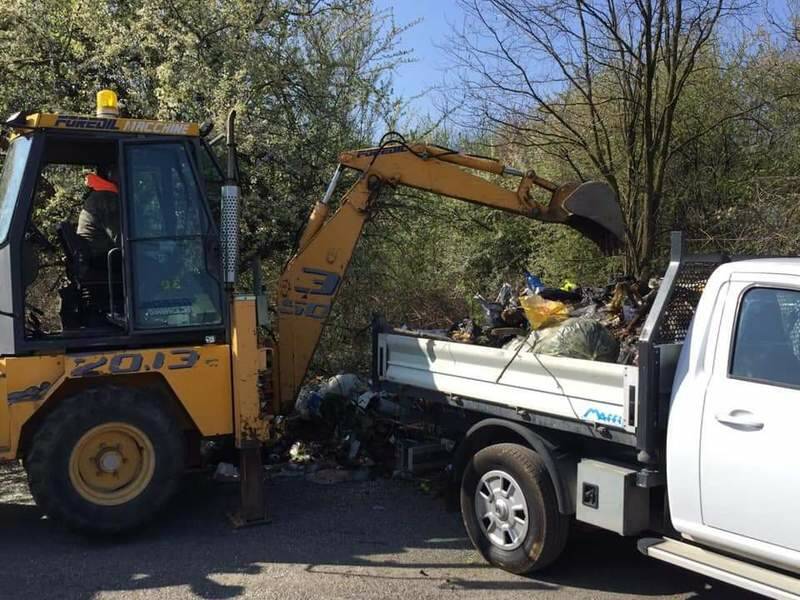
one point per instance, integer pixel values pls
(10, 180)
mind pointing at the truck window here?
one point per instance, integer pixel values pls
(767, 344)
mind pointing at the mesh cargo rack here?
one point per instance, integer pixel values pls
(662, 337)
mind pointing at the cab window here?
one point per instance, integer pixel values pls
(71, 239)
(10, 180)
(175, 281)
(767, 344)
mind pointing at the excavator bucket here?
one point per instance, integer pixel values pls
(592, 209)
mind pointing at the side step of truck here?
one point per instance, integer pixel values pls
(724, 568)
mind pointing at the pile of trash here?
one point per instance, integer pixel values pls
(592, 323)
(341, 430)
(328, 438)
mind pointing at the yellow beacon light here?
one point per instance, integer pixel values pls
(107, 103)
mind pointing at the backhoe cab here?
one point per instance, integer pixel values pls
(121, 342)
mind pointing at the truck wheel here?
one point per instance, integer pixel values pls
(510, 509)
(105, 460)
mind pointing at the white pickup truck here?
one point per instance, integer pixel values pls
(693, 450)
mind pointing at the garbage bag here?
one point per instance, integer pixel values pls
(560, 295)
(543, 313)
(533, 283)
(504, 295)
(569, 286)
(308, 402)
(578, 337)
(492, 310)
(344, 385)
(311, 397)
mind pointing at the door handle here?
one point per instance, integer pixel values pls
(740, 419)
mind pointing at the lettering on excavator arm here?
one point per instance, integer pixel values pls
(322, 284)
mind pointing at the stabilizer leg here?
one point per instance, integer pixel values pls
(253, 509)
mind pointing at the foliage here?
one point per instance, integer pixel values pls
(311, 78)
(595, 86)
(308, 78)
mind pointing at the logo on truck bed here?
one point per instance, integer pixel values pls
(604, 417)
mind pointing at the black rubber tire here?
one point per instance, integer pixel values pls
(548, 530)
(47, 461)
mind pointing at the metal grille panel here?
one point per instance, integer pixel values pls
(229, 234)
(689, 285)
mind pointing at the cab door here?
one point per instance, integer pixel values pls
(171, 242)
(749, 476)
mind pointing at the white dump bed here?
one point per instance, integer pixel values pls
(581, 390)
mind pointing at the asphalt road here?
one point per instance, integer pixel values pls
(375, 539)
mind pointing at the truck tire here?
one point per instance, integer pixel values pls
(106, 460)
(510, 509)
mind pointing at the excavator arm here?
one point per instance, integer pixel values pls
(312, 278)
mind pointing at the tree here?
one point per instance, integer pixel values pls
(596, 85)
(307, 77)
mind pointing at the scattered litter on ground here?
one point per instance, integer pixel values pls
(226, 472)
(330, 476)
(340, 431)
(300, 453)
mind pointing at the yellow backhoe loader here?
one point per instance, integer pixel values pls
(116, 360)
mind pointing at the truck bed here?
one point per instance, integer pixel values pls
(625, 404)
(582, 391)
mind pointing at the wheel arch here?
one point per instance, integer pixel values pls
(560, 463)
(154, 382)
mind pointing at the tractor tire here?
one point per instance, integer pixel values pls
(510, 510)
(106, 460)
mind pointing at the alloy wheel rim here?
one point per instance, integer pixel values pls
(502, 510)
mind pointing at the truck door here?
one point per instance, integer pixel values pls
(749, 480)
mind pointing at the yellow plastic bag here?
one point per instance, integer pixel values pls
(569, 286)
(543, 313)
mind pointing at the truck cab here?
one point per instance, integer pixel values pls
(732, 482)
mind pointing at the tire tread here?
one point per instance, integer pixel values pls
(84, 407)
(534, 474)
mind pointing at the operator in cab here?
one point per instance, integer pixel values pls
(99, 227)
(98, 222)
